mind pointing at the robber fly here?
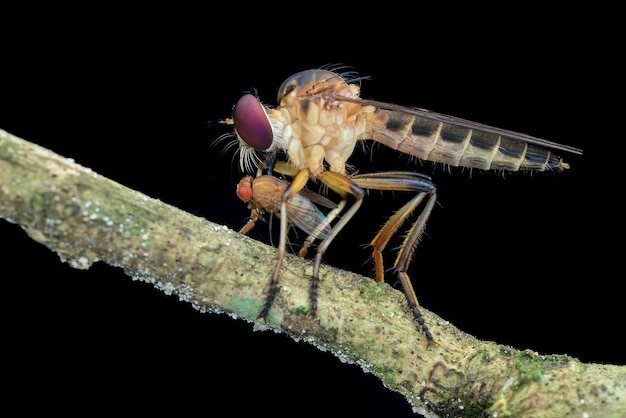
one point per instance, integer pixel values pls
(319, 119)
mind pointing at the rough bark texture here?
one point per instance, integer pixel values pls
(85, 218)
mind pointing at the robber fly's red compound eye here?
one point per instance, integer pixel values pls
(252, 123)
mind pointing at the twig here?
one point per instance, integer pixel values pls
(85, 218)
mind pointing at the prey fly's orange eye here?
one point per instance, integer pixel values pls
(244, 189)
(252, 124)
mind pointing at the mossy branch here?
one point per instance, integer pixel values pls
(85, 217)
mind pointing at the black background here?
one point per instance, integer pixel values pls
(513, 258)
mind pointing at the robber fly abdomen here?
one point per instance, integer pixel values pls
(458, 145)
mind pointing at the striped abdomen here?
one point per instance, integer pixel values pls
(465, 144)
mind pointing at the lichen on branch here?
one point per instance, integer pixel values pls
(85, 218)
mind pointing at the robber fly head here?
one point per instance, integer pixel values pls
(255, 131)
